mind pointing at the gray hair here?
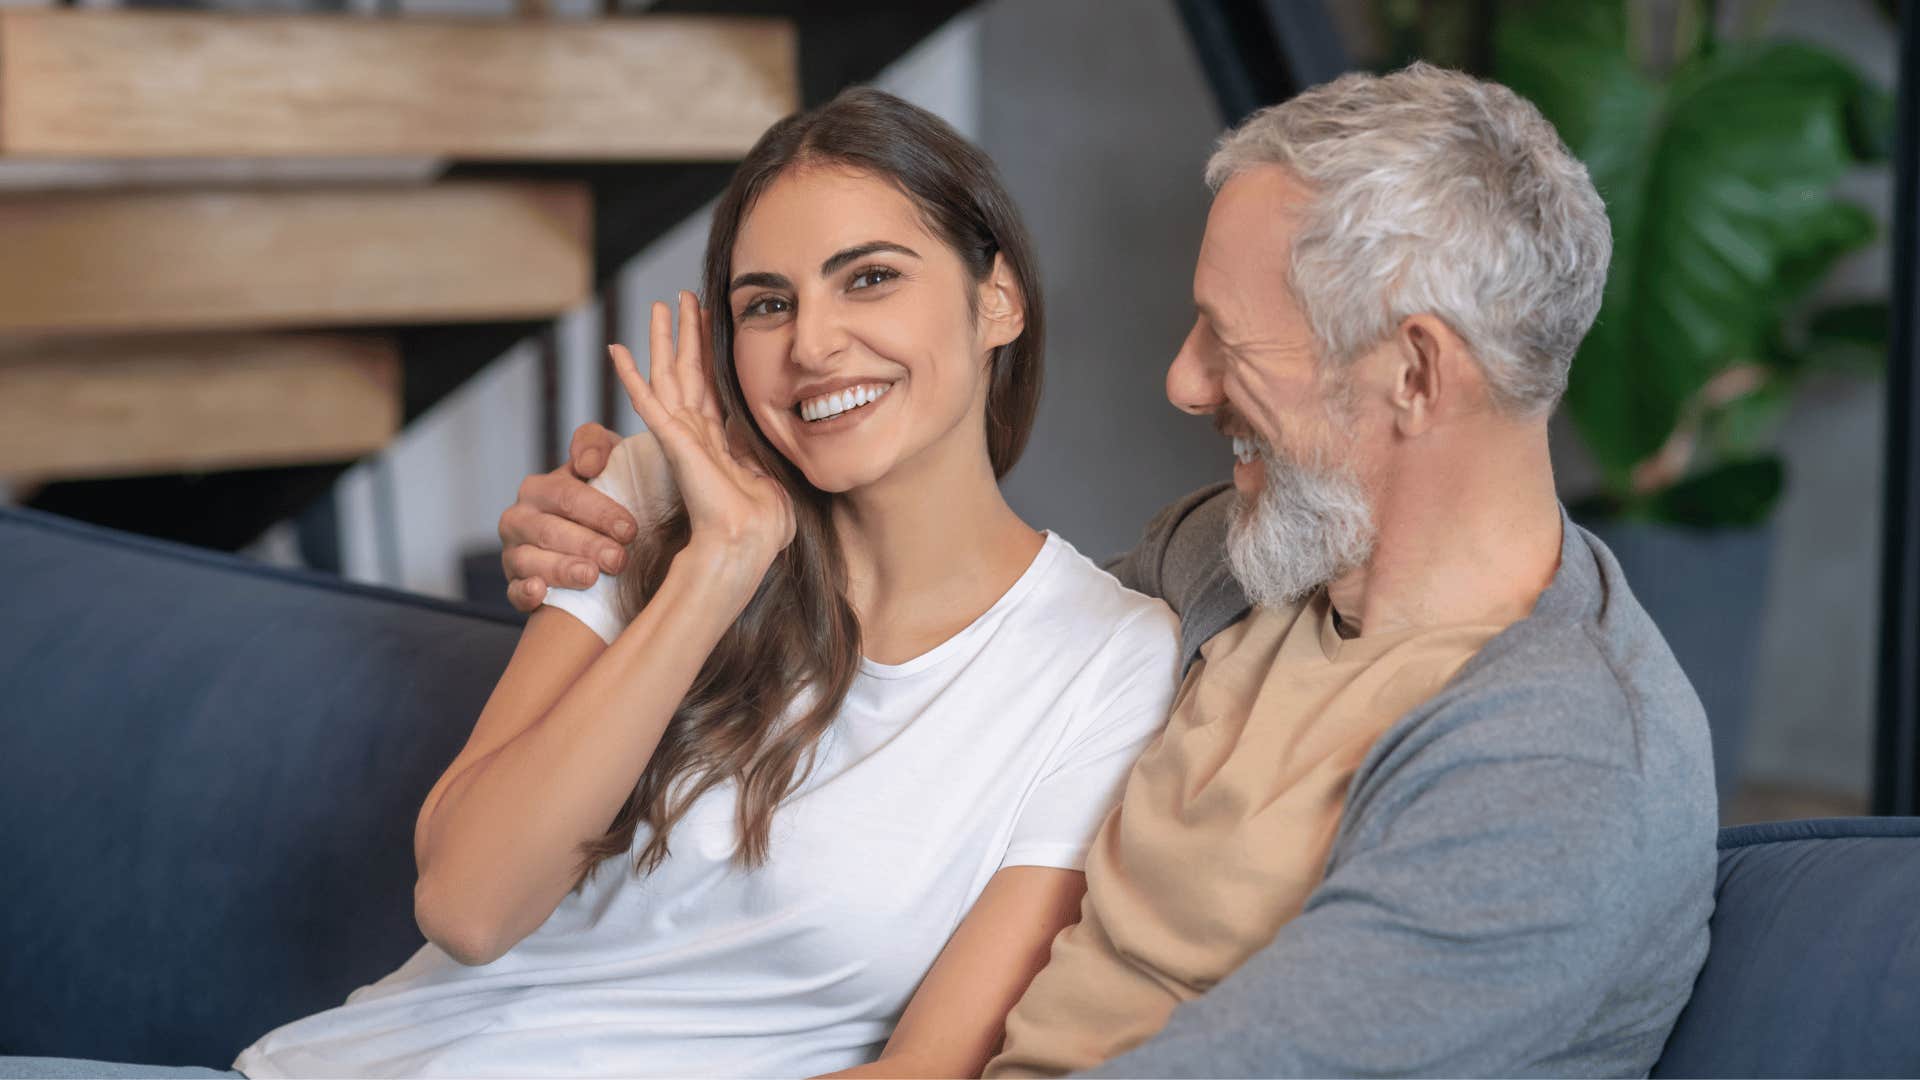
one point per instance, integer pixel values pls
(1438, 193)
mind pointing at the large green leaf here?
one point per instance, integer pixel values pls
(1738, 494)
(1739, 428)
(1717, 183)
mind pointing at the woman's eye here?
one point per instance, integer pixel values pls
(765, 305)
(873, 275)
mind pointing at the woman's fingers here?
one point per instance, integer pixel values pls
(638, 392)
(661, 373)
(695, 376)
(683, 446)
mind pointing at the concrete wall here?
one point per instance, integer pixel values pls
(1100, 121)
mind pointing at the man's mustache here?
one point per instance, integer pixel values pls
(1229, 422)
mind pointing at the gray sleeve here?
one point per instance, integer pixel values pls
(1472, 930)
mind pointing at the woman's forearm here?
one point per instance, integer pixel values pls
(501, 848)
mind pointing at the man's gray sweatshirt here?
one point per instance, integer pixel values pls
(1525, 863)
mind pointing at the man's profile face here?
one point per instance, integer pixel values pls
(1250, 359)
(1250, 362)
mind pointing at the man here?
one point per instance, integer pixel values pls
(1434, 798)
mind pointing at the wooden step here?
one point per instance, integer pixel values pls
(89, 174)
(88, 407)
(156, 260)
(136, 84)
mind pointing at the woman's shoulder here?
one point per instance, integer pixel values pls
(637, 476)
(1082, 593)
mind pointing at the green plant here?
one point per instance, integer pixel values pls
(1717, 163)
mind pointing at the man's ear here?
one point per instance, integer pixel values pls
(1002, 306)
(1430, 362)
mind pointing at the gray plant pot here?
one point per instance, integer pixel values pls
(1707, 591)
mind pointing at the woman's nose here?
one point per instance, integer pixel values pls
(818, 336)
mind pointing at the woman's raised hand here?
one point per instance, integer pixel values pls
(737, 512)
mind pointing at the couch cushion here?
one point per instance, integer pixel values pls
(1814, 967)
(209, 772)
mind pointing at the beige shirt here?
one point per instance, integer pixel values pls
(1225, 824)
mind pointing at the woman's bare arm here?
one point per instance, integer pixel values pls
(956, 1019)
(558, 748)
(568, 732)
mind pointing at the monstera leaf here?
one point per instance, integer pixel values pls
(1717, 180)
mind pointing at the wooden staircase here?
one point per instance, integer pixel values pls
(238, 252)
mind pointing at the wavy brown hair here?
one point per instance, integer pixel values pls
(799, 635)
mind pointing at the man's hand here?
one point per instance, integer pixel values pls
(559, 530)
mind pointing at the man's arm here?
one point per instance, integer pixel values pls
(1181, 546)
(1492, 916)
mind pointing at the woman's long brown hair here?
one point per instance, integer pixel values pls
(799, 635)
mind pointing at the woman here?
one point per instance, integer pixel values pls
(840, 767)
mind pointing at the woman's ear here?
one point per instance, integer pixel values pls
(1002, 306)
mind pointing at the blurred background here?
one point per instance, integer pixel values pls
(322, 282)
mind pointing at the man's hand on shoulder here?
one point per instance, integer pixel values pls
(560, 531)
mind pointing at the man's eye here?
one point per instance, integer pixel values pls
(873, 275)
(765, 305)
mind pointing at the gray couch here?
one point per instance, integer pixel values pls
(209, 772)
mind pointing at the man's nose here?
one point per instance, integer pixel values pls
(818, 336)
(1193, 385)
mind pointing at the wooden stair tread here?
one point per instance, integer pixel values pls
(240, 259)
(139, 84)
(116, 406)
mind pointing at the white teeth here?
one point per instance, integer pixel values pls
(831, 405)
(1244, 450)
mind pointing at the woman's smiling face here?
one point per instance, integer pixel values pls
(854, 341)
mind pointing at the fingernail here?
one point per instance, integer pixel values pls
(583, 576)
(610, 558)
(623, 530)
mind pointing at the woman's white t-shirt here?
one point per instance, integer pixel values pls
(1005, 745)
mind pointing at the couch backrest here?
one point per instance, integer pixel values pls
(209, 772)
(1814, 966)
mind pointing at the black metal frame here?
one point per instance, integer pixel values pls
(1896, 766)
(1258, 52)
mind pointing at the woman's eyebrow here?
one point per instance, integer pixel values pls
(771, 281)
(842, 258)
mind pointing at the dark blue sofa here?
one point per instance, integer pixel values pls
(209, 772)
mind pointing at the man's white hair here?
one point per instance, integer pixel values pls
(1437, 193)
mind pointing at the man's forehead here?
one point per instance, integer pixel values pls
(1258, 207)
(1248, 231)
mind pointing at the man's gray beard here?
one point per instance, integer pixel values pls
(1308, 526)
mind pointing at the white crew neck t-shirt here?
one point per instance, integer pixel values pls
(1005, 745)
